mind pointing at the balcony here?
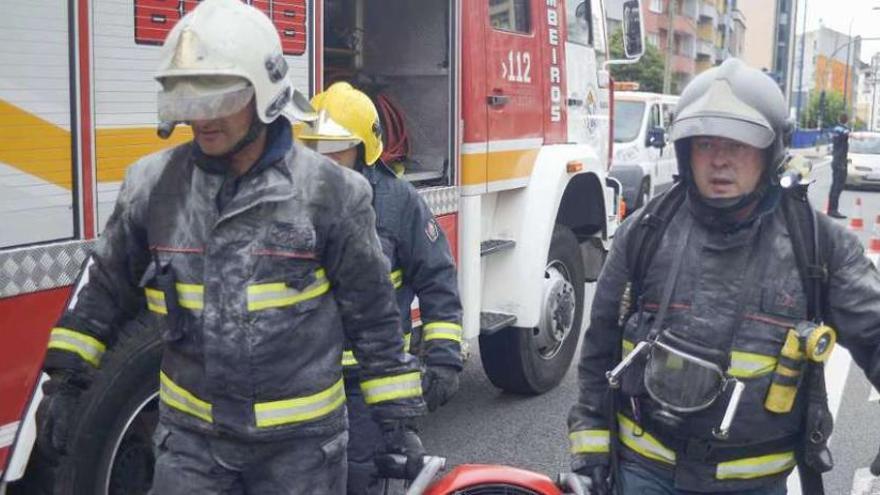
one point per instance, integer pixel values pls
(706, 48)
(683, 64)
(708, 11)
(737, 16)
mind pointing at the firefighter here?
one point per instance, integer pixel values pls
(701, 368)
(839, 150)
(259, 258)
(348, 131)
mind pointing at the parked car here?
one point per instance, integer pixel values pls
(644, 160)
(863, 165)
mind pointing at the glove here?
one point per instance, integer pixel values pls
(55, 414)
(439, 384)
(594, 480)
(402, 451)
(875, 466)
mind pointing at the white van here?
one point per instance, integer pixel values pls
(644, 161)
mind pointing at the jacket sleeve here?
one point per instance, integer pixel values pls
(588, 425)
(429, 269)
(389, 377)
(854, 300)
(106, 293)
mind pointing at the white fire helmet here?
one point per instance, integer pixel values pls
(217, 58)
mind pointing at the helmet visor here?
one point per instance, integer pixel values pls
(202, 98)
(331, 146)
(681, 381)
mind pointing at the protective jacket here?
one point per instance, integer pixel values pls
(257, 287)
(713, 305)
(421, 265)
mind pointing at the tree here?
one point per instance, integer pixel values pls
(648, 71)
(827, 108)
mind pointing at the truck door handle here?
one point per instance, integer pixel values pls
(497, 100)
(575, 102)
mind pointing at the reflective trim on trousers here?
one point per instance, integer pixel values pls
(406, 386)
(589, 441)
(181, 399)
(755, 467)
(300, 409)
(280, 295)
(643, 442)
(445, 330)
(83, 345)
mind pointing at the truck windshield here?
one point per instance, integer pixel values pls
(627, 120)
(863, 145)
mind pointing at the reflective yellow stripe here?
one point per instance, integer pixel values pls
(626, 347)
(348, 358)
(179, 398)
(156, 301)
(279, 295)
(85, 346)
(750, 365)
(300, 409)
(191, 296)
(397, 278)
(644, 444)
(755, 467)
(589, 441)
(786, 371)
(443, 330)
(404, 386)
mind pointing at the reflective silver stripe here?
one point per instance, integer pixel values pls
(589, 441)
(300, 409)
(404, 386)
(279, 295)
(755, 467)
(643, 442)
(750, 365)
(348, 358)
(446, 330)
(156, 301)
(191, 296)
(179, 398)
(83, 345)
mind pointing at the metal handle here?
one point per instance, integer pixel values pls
(613, 376)
(723, 431)
(497, 100)
(431, 465)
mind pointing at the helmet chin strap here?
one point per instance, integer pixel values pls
(252, 134)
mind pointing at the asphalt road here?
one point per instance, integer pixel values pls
(485, 425)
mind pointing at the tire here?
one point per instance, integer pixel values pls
(110, 448)
(532, 361)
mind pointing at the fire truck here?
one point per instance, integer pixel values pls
(506, 105)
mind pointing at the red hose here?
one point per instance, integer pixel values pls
(396, 137)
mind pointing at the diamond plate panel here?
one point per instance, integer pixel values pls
(442, 200)
(33, 269)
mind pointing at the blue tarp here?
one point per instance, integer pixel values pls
(807, 138)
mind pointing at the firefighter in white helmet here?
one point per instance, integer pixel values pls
(348, 130)
(259, 258)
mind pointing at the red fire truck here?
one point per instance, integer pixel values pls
(506, 106)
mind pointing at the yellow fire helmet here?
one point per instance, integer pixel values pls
(346, 118)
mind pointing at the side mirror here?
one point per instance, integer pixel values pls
(633, 36)
(656, 138)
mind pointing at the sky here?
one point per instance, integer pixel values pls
(837, 15)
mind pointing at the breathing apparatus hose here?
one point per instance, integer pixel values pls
(397, 146)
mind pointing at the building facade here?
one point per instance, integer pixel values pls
(827, 65)
(770, 40)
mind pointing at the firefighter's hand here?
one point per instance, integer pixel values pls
(56, 413)
(439, 384)
(595, 480)
(402, 453)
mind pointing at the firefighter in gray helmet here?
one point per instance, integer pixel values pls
(701, 368)
(259, 258)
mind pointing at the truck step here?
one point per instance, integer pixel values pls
(495, 245)
(491, 322)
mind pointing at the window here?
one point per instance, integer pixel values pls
(653, 39)
(510, 15)
(578, 14)
(657, 6)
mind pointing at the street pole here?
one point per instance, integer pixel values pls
(849, 40)
(801, 69)
(670, 46)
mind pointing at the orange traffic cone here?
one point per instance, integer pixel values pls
(874, 243)
(856, 222)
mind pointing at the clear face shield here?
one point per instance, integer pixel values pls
(185, 99)
(683, 377)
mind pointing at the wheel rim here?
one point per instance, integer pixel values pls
(557, 311)
(131, 460)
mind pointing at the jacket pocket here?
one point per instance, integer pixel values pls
(291, 285)
(159, 285)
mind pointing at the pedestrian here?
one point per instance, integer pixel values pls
(348, 130)
(839, 151)
(259, 258)
(715, 303)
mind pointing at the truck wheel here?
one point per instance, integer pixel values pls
(110, 450)
(534, 360)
